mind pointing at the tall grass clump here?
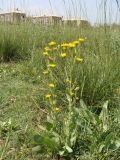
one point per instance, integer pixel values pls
(15, 43)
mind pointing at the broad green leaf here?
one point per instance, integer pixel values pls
(109, 139)
(104, 116)
(87, 113)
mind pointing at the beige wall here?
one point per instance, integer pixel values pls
(47, 20)
(12, 17)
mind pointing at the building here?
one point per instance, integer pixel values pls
(47, 20)
(76, 22)
(12, 17)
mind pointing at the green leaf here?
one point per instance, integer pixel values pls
(101, 147)
(50, 142)
(109, 138)
(104, 116)
(86, 113)
(49, 126)
(38, 139)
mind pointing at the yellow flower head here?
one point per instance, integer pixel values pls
(71, 45)
(76, 42)
(82, 39)
(52, 65)
(51, 85)
(52, 43)
(56, 109)
(45, 53)
(79, 60)
(65, 45)
(48, 95)
(63, 55)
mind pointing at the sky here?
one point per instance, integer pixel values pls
(91, 10)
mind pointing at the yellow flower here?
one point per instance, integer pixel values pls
(48, 95)
(45, 72)
(52, 43)
(52, 65)
(65, 45)
(79, 60)
(45, 53)
(71, 45)
(82, 39)
(51, 85)
(63, 55)
(47, 49)
(56, 109)
(76, 42)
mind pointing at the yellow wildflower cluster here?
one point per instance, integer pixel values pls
(72, 44)
(52, 46)
(51, 63)
(68, 45)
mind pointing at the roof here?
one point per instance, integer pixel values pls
(46, 16)
(16, 11)
(75, 20)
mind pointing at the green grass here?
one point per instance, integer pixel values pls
(23, 108)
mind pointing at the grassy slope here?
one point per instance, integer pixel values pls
(16, 104)
(21, 88)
